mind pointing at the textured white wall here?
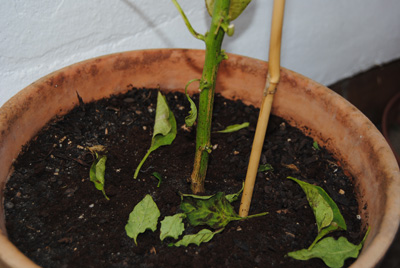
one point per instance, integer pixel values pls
(324, 40)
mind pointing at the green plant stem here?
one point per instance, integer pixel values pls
(141, 164)
(214, 55)
(254, 216)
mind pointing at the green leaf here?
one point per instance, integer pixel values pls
(332, 252)
(315, 145)
(144, 216)
(233, 128)
(326, 212)
(215, 211)
(172, 226)
(265, 167)
(162, 124)
(164, 129)
(191, 118)
(233, 197)
(202, 236)
(158, 177)
(236, 8)
(97, 172)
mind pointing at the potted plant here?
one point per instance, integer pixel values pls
(326, 117)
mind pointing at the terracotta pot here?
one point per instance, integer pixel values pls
(391, 124)
(319, 112)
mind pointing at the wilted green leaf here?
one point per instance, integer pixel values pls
(172, 226)
(327, 213)
(202, 236)
(144, 216)
(332, 252)
(162, 124)
(322, 211)
(233, 128)
(191, 118)
(97, 172)
(215, 212)
(158, 177)
(233, 197)
(236, 8)
(164, 129)
(265, 167)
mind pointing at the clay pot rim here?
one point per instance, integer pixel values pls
(385, 124)
(390, 220)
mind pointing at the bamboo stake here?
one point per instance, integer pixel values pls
(265, 110)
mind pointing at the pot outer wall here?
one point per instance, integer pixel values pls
(317, 111)
(391, 116)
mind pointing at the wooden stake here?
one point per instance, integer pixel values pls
(265, 110)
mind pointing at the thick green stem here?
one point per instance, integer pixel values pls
(214, 55)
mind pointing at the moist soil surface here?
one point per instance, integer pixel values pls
(56, 216)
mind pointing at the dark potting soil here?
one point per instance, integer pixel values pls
(55, 215)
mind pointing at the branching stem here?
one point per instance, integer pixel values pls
(214, 56)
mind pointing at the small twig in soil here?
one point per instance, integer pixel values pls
(147, 97)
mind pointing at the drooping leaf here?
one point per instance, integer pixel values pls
(191, 118)
(144, 216)
(162, 124)
(164, 129)
(233, 128)
(236, 8)
(233, 197)
(97, 172)
(326, 212)
(215, 211)
(172, 226)
(158, 177)
(265, 167)
(332, 252)
(322, 211)
(202, 236)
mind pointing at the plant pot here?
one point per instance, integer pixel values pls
(319, 112)
(391, 125)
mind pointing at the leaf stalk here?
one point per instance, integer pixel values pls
(186, 20)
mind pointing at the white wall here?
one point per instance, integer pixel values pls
(326, 40)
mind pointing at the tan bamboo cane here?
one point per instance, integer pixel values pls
(265, 110)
